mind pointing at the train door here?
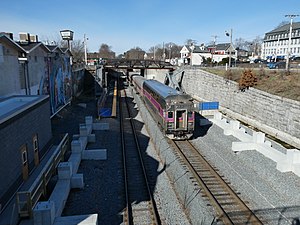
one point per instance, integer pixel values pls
(181, 118)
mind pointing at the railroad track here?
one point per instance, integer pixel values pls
(229, 207)
(140, 205)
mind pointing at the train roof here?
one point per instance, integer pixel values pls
(163, 90)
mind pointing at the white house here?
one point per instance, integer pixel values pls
(194, 54)
(221, 51)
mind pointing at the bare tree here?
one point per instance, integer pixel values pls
(135, 53)
(106, 52)
(77, 49)
(255, 45)
(251, 46)
(190, 42)
(282, 24)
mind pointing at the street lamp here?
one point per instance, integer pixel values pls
(67, 35)
(229, 35)
(287, 66)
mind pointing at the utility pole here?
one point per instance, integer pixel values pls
(287, 66)
(214, 46)
(85, 49)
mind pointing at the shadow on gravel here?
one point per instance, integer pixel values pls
(279, 215)
(151, 164)
(202, 125)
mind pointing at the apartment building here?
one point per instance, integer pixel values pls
(276, 42)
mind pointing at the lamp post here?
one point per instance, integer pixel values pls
(67, 35)
(287, 66)
(229, 35)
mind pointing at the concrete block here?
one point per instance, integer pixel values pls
(100, 126)
(92, 138)
(228, 131)
(76, 136)
(75, 159)
(95, 154)
(295, 154)
(235, 125)
(64, 170)
(89, 120)
(268, 143)
(83, 130)
(258, 137)
(77, 181)
(44, 213)
(218, 116)
(91, 219)
(84, 141)
(60, 195)
(284, 166)
(296, 169)
(76, 146)
(242, 146)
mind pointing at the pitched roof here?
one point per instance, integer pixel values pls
(220, 47)
(285, 28)
(31, 46)
(197, 49)
(9, 41)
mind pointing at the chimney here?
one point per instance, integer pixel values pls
(7, 34)
(33, 38)
(24, 37)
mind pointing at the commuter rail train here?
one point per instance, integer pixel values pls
(172, 110)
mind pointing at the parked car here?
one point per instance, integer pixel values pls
(295, 58)
(276, 65)
(260, 61)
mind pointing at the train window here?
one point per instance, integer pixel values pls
(170, 114)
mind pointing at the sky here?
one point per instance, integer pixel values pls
(124, 24)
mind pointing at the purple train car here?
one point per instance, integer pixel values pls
(173, 110)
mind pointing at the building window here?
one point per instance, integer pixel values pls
(24, 157)
(35, 143)
(35, 58)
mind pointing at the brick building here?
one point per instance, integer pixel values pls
(25, 134)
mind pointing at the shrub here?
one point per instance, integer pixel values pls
(248, 79)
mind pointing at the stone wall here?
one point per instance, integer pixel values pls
(275, 115)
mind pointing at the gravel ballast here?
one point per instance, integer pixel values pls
(272, 195)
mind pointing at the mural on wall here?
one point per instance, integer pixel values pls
(56, 82)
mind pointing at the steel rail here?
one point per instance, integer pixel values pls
(129, 214)
(222, 213)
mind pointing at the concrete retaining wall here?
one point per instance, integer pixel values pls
(272, 114)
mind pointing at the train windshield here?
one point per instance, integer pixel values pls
(170, 115)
